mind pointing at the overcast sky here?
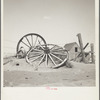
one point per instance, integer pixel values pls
(58, 21)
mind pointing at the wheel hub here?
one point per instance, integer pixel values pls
(46, 50)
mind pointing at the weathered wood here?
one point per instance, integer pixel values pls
(92, 53)
(85, 46)
(81, 47)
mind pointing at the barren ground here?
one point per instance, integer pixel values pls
(18, 73)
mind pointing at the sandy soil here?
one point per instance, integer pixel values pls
(18, 73)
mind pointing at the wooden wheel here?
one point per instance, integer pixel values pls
(52, 55)
(29, 41)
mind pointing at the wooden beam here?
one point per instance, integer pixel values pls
(85, 46)
(81, 47)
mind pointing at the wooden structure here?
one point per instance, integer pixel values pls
(81, 47)
(92, 53)
(73, 50)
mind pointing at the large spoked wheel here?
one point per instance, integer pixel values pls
(51, 55)
(30, 41)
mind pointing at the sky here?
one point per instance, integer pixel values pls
(58, 21)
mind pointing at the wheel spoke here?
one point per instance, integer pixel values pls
(57, 50)
(28, 41)
(46, 60)
(35, 41)
(41, 45)
(32, 40)
(56, 57)
(52, 59)
(34, 56)
(41, 60)
(36, 50)
(25, 44)
(41, 41)
(53, 47)
(37, 58)
(59, 53)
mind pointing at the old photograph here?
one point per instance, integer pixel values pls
(49, 43)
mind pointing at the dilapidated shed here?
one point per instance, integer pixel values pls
(73, 50)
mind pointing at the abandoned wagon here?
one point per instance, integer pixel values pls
(36, 51)
(73, 50)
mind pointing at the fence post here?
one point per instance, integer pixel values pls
(92, 53)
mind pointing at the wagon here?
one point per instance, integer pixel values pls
(36, 51)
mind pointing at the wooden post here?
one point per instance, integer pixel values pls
(92, 53)
(81, 47)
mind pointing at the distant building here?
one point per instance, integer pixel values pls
(73, 50)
